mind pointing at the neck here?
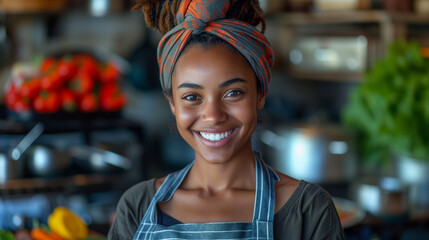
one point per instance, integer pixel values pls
(237, 173)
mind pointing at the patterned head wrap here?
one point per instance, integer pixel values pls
(195, 16)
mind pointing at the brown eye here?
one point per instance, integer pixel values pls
(191, 97)
(234, 93)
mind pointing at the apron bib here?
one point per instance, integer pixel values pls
(261, 226)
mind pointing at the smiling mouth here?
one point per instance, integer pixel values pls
(214, 137)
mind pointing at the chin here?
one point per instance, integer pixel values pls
(215, 158)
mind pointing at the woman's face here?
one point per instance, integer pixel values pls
(215, 102)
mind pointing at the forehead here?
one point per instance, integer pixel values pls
(214, 64)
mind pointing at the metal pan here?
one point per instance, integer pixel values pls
(97, 160)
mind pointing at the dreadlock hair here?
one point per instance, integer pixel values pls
(161, 14)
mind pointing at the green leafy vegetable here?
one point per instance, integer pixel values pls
(6, 235)
(390, 109)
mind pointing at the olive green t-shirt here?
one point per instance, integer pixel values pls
(308, 214)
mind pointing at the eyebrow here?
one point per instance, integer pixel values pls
(190, 85)
(224, 84)
(232, 81)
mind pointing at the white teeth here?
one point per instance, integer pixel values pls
(215, 136)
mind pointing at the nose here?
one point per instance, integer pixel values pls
(214, 112)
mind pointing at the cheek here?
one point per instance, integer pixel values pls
(184, 116)
(246, 112)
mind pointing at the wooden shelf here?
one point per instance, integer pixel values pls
(327, 76)
(348, 17)
(381, 28)
(392, 26)
(59, 184)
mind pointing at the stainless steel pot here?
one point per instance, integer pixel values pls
(44, 161)
(415, 172)
(320, 154)
(8, 168)
(99, 8)
(11, 163)
(384, 197)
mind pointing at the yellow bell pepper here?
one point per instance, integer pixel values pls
(67, 224)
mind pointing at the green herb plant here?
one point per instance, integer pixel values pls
(390, 109)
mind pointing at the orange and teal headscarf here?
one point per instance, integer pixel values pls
(195, 16)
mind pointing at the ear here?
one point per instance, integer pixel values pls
(261, 100)
(172, 107)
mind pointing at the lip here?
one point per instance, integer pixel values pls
(215, 144)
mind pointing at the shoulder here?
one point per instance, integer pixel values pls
(147, 185)
(131, 209)
(291, 192)
(311, 210)
(159, 182)
(308, 196)
(138, 197)
(140, 193)
(284, 189)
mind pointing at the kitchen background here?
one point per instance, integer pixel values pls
(84, 160)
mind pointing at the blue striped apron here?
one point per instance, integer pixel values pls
(261, 226)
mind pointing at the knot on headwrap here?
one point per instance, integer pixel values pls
(195, 25)
(203, 10)
(195, 16)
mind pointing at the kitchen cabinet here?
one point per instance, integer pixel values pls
(380, 28)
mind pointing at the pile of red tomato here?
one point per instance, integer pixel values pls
(72, 83)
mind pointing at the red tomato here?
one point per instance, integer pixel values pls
(108, 90)
(21, 105)
(51, 81)
(16, 103)
(30, 88)
(47, 102)
(111, 97)
(66, 68)
(82, 83)
(10, 99)
(88, 103)
(87, 64)
(68, 100)
(109, 72)
(11, 96)
(47, 65)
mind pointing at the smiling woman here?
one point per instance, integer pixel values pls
(214, 94)
(214, 69)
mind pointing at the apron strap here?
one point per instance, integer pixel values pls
(172, 185)
(166, 191)
(265, 191)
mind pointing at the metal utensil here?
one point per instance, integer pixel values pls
(35, 132)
